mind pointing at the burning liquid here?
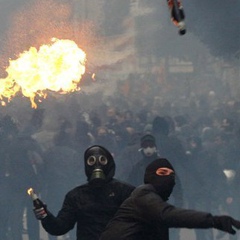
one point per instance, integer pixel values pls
(58, 67)
(30, 191)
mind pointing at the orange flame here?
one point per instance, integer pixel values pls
(58, 67)
(94, 76)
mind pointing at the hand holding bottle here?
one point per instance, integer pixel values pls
(40, 213)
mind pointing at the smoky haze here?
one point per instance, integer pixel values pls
(143, 69)
(215, 23)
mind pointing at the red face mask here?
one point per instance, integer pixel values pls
(160, 174)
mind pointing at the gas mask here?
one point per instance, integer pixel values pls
(99, 165)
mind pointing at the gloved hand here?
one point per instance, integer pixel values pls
(40, 213)
(226, 224)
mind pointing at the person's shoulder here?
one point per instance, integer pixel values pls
(78, 189)
(143, 189)
(121, 184)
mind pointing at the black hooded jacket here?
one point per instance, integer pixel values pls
(146, 216)
(90, 208)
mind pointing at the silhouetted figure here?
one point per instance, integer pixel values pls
(90, 205)
(146, 214)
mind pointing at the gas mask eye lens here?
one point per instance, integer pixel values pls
(103, 160)
(91, 160)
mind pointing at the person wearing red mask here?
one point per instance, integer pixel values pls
(146, 214)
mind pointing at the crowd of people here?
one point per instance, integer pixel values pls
(199, 136)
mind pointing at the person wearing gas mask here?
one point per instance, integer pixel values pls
(146, 214)
(90, 205)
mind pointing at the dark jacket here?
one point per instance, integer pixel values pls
(90, 208)
(145, 216)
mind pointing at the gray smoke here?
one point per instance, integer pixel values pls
(216, 24)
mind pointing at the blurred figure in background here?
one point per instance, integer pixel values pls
(61, 161)
(128, 157)
(8, 131)
(83, 136)
(35, 123)
(204, 183)
(105, 137)
(149, 153)
(25, 169)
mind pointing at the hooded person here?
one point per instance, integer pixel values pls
(90, 205)
(161, 175)
(99, 166)
(149, 151)
(146, 214)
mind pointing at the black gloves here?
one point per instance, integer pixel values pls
(226, 224)
(40, 213)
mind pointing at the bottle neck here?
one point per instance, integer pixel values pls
(34, 196)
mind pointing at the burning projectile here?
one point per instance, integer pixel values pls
(177, 15)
